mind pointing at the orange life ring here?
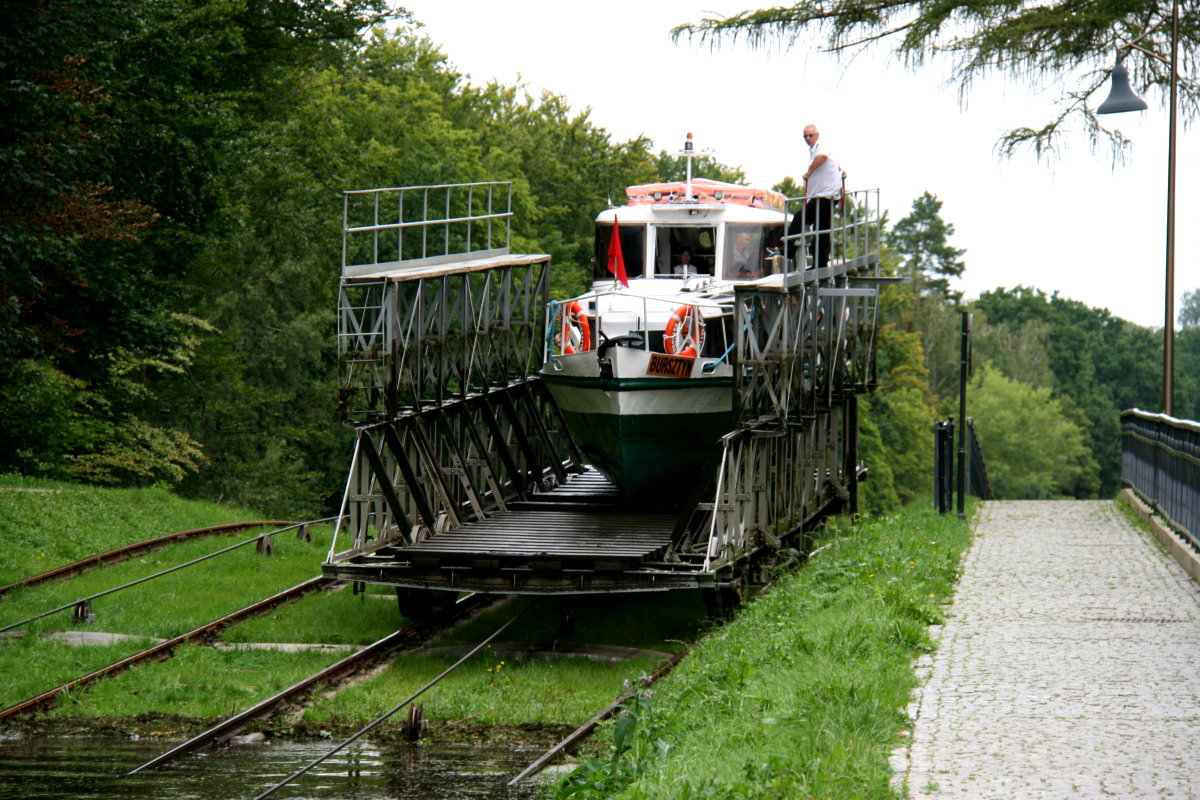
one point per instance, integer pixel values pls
(575, 328)
(684, 333)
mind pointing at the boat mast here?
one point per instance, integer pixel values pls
(688, 154)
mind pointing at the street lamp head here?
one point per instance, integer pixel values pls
(1121, 97)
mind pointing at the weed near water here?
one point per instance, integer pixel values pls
(803, 694)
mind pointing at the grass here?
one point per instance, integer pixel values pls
(803, 694)
(502, 690)
(45, 524)
(180, 601)
(664, 621)
(162, 608)
(487, 689)
(332, 617)
(198, 682)
(30, 665)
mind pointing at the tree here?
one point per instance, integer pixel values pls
(260, 395)
(921, 240)
(1055, 463)
(1101, 364)
(1068, 43)
(1189, 309)
(673, 167)
(917, 248)
(120, 118)
(896, 425)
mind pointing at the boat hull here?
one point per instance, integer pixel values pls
(655, 438)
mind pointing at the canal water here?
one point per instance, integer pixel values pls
(94, 768)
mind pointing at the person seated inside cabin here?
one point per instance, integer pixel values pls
(745, 262)
(685, 266)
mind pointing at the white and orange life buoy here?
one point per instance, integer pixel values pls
(576, 330)
(684, 333)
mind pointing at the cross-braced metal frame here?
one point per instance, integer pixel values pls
(438, 353)
(805, 351)
(420, 339)
(439, 372)
(428, 471)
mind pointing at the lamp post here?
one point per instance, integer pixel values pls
(1121, 98)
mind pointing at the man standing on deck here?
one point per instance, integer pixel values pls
(823, 184)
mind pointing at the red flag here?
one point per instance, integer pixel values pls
(616, 261)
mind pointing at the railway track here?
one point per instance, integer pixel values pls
(137, 548)
(164, 649)
(332, 675)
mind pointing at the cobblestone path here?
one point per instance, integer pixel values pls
(1068, 667)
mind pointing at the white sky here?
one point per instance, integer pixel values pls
(1073, 224)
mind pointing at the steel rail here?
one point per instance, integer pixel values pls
(130, 550)
(586, 728)
(163, 649)
(78, 601)
(372, 725)
(330, 675)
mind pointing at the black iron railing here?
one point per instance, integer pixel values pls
(977, 482)
(1160, 460)
(974, 478)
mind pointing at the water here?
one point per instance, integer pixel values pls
(92, 768)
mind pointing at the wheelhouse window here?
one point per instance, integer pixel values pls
(684, 250)
(633, 249)
(749, 250)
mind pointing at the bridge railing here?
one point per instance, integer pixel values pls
(1160, 460)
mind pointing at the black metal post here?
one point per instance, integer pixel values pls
(943, 465)
(1169, 322)
(964, 368)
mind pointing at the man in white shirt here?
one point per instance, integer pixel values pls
(823, 184)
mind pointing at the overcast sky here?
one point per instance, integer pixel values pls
(1074, 224)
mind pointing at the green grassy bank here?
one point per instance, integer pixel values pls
(803, 694)
(45, 524)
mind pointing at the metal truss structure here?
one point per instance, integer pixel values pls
(464, 476)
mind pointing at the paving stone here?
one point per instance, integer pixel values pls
(1068, 665)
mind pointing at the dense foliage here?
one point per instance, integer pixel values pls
(169, 229)
(169, 225)
(1098, 364)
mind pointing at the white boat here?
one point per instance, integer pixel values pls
(644, 373)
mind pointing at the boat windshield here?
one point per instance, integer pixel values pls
(748, 251)
(684, 250)
(633, 249)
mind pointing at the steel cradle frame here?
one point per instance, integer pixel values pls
(438, 371)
